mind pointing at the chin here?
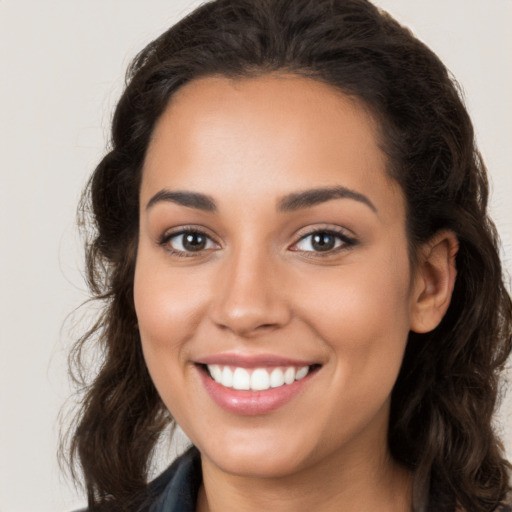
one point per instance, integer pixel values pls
(263, 458)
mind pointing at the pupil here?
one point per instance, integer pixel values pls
(323, 242)
(194, 241)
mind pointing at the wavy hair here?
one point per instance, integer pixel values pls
(447, 391)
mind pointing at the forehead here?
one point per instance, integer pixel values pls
(271, 133)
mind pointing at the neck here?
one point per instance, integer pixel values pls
(360, 481)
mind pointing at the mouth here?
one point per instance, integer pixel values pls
(254, 384)
(259, 378)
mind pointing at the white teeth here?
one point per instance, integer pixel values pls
(241, 379)
(289, 375)
(227, 377)
(276, 378)
(215, 372)
(301, 372)
(259, 379)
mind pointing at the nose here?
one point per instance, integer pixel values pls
(251, 297)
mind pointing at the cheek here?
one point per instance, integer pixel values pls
(362, 314)
(359, 301)
(168, 311)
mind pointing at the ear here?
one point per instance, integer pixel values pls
(434, 279)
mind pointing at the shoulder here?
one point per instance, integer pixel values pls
(175, 490)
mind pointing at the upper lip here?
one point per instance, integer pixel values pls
(253, 361)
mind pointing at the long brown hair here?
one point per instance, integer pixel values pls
(447, 390)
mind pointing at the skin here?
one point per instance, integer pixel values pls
(259, 287)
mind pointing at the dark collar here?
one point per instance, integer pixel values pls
(176, 489)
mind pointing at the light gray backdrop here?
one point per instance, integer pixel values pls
(61, 70)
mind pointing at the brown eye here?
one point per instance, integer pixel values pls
(323, 242)
(188, 242)
(194, 241)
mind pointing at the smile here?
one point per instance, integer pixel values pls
(254, 385)
(256, 379)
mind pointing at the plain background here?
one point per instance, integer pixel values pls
(61, 70)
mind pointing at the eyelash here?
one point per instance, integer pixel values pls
(165, 239)
(346, 242)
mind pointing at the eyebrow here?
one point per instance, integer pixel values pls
(289, 203)
(312, 197)
(184, 198)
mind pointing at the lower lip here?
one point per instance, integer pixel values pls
(252, 403)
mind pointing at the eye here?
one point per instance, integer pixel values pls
(323, 241)
(187, 242)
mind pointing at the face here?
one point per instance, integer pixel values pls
(273, 288)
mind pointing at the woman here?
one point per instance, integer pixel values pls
(293, 248)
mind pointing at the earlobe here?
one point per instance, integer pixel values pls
(434, 281)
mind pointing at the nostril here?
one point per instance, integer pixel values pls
(267, 326)
(248, 322)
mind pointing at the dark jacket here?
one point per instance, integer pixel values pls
(176, 489)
